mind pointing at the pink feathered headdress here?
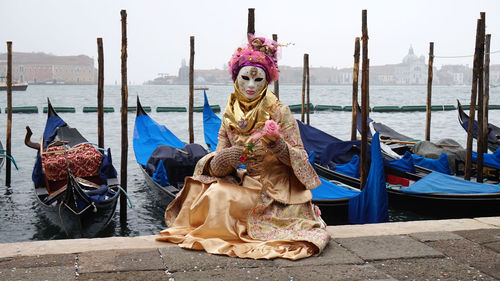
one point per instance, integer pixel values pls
(260, 52)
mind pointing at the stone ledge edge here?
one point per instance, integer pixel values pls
(73, 246)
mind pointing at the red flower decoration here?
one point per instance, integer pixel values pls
(243, 158)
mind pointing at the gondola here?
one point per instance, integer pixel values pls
(435, 194)
(163, 158)
(339, 196)
(493, 131)
(424, 156)
(75, 183)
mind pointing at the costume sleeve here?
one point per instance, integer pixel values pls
(202, 169)
(222, 138)
(299, 159)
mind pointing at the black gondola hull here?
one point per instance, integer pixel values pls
(163, 194)
(446, 206)
(333, 212)
(85, 225)
(437, 206)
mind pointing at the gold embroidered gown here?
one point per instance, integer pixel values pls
(264, 211)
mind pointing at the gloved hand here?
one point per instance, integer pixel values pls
(280, 150)
(225, 161)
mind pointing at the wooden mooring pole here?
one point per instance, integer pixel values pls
(251, 22)
(191, 89)
(9, 114)
(486, 88)
(429, 93)
(100, 94)
(308, 90)
(124, 140)
(480, 102)
(472, 112)
(304, 78)
(365, 105)
(355, 77)
(276, 83)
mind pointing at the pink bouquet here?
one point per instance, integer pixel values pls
(271, 128)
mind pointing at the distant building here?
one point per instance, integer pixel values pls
(412, 70)
(455, 75)
(41, 68)
(203, 76)
(383, 74)
(495, 75)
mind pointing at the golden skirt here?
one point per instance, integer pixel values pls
(242, 221)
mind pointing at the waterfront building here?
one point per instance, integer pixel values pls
(411, 71)
(41, 68)
(455, 74)
(495, 75)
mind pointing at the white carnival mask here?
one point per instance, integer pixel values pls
(251, 81)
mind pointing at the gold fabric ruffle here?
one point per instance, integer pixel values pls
(244, 115)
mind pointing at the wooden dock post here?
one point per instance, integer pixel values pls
(355, 77)
(251, 22)
(9, 114)
(191, 89)
(365, 104)
(308, 110)
(486, 88)
(276, 83)
(304, 78)
(429, 93)
(100, 94)
(472, 112)
(124, 135)
(480, 103)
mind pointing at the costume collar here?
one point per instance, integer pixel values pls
(245, 115)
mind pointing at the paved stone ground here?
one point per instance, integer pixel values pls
(438, 255)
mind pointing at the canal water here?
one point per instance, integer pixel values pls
(22, 220)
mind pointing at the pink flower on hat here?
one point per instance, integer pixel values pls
(260, 52)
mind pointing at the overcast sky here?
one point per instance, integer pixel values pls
(159, 31)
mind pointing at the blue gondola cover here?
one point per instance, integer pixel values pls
(350, 169)
(107, 170)
(327, 148)
(329, 190)
(489, 160)
(371, 205)
(160, 175)
(439, 165)
(436, 182)
(148, 135)
(211, 125)
(405, 163)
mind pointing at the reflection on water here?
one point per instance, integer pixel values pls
(398, 215)
(22, 220)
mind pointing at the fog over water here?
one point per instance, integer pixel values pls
(158, 30)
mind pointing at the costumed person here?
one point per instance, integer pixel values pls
(265, 210)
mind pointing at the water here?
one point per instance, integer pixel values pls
(21, 220)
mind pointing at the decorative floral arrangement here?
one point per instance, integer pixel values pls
(271, 128)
